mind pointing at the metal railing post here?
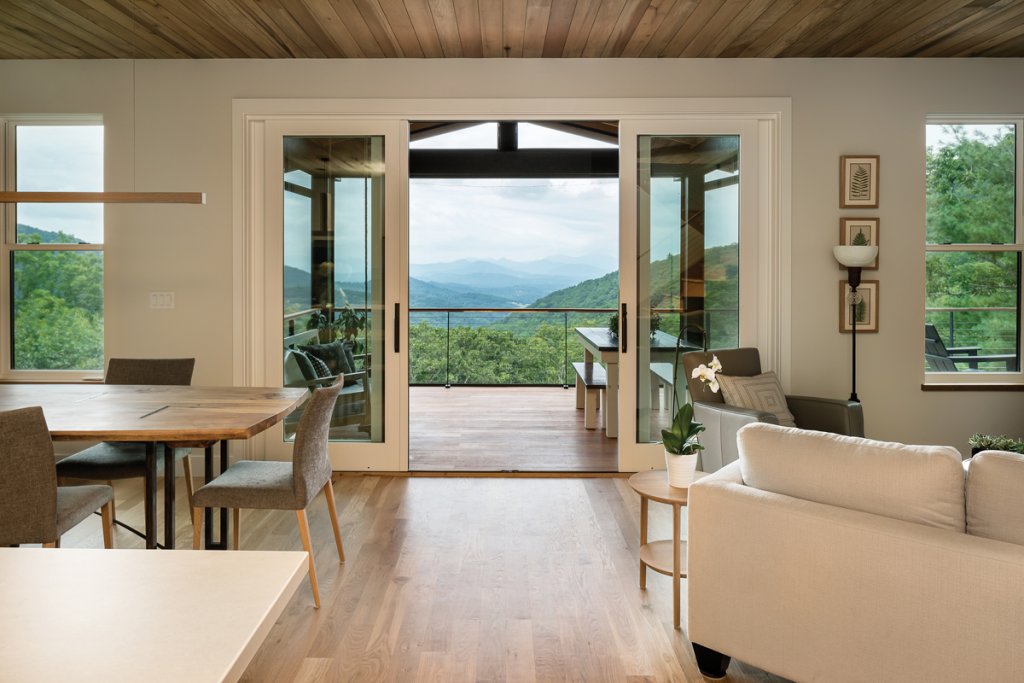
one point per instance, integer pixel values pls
(448, 352)
(565, 357)
(952, 333)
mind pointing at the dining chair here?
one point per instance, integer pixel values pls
(33, 509)
(272, 485)
(110, 461)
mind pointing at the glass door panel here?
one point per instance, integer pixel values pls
(332, 283)
(688, 251)
(687, 270)
(333, 276)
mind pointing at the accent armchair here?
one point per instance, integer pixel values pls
(722, 421)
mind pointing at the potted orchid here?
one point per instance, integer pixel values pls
(680, 441)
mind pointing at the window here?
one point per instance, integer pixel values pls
(53, 253)
(973, 249)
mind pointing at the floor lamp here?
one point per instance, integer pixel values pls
(854, 258)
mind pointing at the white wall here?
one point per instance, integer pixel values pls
(182, 114)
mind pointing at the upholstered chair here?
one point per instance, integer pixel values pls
(272, 485)
(110, 461)
(33, 509)
(721, 421)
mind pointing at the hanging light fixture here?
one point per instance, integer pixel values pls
(36, 197)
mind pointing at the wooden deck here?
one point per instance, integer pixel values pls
(504, 429)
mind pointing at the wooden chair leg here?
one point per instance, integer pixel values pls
(197, 528)
(186, 465)
(304, 533)
(236, 527)
(113, 510)
(332, 508)
(107, 512)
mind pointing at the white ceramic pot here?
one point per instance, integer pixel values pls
(681, 469)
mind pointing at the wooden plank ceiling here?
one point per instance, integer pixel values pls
(157, 29)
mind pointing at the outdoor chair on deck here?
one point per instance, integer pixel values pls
(939, 358)
(109, 461)
(271, 485)
(33, 509)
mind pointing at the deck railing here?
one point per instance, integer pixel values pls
(509, 346)
(985, 331)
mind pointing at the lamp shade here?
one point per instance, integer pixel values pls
(855, 256)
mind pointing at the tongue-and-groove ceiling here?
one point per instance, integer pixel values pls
(156, 29)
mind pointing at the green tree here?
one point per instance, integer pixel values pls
(970, 200)
(58, 305)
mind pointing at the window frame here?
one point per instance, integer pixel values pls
(966, 380)
(9, 246)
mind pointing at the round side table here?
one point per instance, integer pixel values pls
(665, 557)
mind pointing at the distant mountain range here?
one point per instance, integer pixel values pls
(45, 236)
(537, 284)
(521, 282)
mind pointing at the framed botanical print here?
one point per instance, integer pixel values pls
(865, 307)
(859, 231)
(858, 182)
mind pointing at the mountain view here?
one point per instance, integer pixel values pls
(527, 348)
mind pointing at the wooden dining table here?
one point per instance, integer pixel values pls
(166, 416)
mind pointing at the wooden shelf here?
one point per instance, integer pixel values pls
(658, 556)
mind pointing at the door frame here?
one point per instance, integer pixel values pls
(250, 117)
(635, 452)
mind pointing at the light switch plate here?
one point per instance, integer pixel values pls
(163, 300)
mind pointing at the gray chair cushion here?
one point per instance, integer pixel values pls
(264, 485)
(28, 483)
(111, 461)
(280, 485)
(156, 371)
(75, 503)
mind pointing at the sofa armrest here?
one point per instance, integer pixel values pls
(837, 416)
(816, 592)
(721, 422)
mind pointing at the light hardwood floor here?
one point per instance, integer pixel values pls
(466, 579)
(496, 429)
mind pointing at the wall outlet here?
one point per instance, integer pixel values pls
(161, 300)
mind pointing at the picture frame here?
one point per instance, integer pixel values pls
(858, 181)
(867, 319)
(850, 227)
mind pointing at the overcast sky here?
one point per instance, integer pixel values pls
(68, 158)
(450, 219)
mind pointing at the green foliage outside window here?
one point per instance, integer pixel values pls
(57, 306)
(970, 200)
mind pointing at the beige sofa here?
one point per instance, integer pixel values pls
(831, 558)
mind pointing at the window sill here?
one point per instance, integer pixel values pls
(963, 386)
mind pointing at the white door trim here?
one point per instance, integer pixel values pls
(249, 117)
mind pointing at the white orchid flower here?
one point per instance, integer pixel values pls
(707, 374)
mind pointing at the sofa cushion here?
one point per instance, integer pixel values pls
(995, 496)
(761, 392)
(920, 484)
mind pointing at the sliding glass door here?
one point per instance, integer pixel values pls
(688, 249)
(334, 203)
